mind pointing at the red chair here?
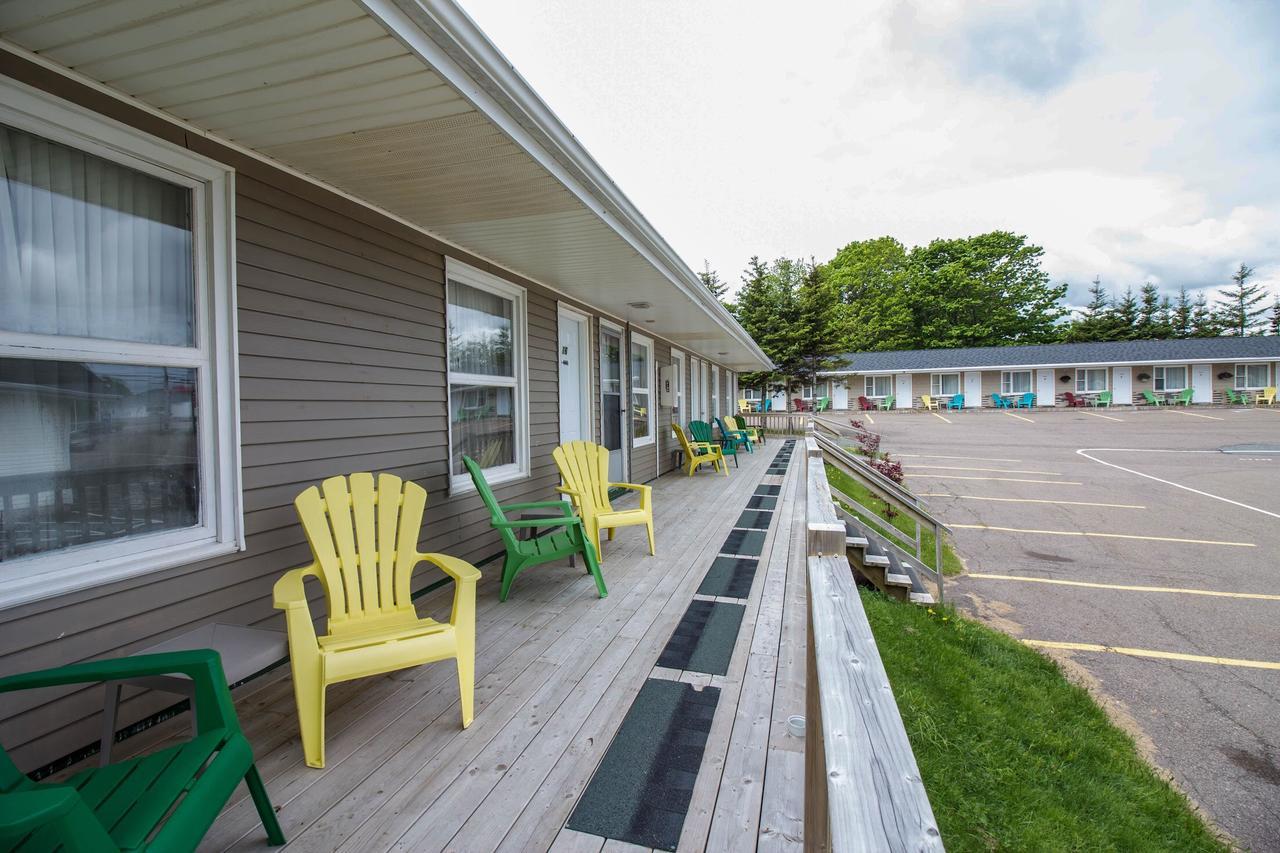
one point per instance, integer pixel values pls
(864, 404)
(1073, 400)
(801, 405)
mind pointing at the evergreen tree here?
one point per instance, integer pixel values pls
(1124, 314)
(1274, 324)
(1095, 321)
(1153, 315)
(1204, 324)
(712, 282)
(1241, 307)
(1181, 318)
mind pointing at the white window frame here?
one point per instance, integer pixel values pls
(715, 391)
(1160, 377)
(464, 273)
(649, 389)
(704, 407)
(1006, 381)
(1082, 380)
(935, 385)
(1243, 368)
(220, 529)
(869, 385)
(677, 397)
(752, 394)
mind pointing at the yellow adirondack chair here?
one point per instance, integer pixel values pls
(584, 467)
(744, 405)
(753, 433)
(1266, 397)
(365, 544)
(928, 402)
(699, 453)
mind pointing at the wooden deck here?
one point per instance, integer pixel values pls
(556, 670)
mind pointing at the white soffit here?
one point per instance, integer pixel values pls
(327, 89)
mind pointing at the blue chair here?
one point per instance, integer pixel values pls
(736, 437)
(1001, 402)
(768, 404)
(1026, 401)
(956, 402)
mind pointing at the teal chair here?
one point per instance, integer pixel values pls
(161, 801)
(737, 437)
(1001, 402)
(1026, 401)
(956, 402)
(523, 553)
(702, 434)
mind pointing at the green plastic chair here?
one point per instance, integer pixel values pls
(523, 553)
(885, 404)
(1151, 398)
(702, 434)
(737, 437)
(1236, 399)
(163, 801)
(824, 403)
(1102, 400)
(1184, 397)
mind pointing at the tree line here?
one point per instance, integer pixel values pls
(985, 290)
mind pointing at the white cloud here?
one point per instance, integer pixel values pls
(1132, 141)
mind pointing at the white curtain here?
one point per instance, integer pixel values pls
(480, 332)
(90, 248)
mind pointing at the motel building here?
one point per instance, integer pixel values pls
(1201, 371)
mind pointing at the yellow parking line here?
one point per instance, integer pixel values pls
(991, 470)
(1096, 415)
(970, 458)
(1101, 535)
(1027, 500)
(1151, 653)
(1259, 596)
(939, 417)
(1195, 415)
(870, 419)
(1019, 417)
(1001, 479)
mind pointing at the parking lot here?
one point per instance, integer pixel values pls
(1129, 545)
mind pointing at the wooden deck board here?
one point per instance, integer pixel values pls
(557, 668)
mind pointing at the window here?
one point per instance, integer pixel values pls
(751, 394)
(117, 405)
(1089, 379)
(879, 386)
(1252, 377)
(944, 384)
(1170, 378)
(1015, 381)
(705, 390)
(677, 397)
(641, 390)
(488, 401)
(715, 392)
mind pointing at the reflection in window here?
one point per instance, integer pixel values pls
(483, 426)
(94, 452)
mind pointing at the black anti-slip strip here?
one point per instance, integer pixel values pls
(768, 490)
(729, 577)
(703, 641)
(759, 502)
(640, 793)
(754, 519)
(744, 543)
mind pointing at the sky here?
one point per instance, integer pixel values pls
(1135, 142)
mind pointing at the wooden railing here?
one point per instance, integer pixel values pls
(893, 494)
(863, 790)
(787, 423)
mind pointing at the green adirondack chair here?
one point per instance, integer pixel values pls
(886, 404)
(1103, 399)
(1235, 398)
(1152, 399)
(702, 434)
(824, 403)
(733, 436)
(523, 553)
(1184, 397)
(162, 801)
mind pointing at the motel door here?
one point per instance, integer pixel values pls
(972, 389)
(611, 402)
(1046, 393)
(839, 394)
(1122, 379)
(1202, 383)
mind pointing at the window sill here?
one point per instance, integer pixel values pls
(95, 573)
(647, 442)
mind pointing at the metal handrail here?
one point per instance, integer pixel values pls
(913, 504)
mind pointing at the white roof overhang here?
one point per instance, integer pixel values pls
(406, 106)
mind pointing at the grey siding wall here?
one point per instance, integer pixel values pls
(341, 369)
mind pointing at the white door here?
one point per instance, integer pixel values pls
(902, 391)
(1122, 382)
(575, 383)
(678, 414)
(972, 389)
(1202, 382)
(839, 394)
(612, 402)
(1046, 393)
(715, 392)
(695, 392)
(704, 404)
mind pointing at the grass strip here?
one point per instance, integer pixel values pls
(951, 564)
(1014, 756)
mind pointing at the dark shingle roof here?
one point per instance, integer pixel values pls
(1034, 355)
